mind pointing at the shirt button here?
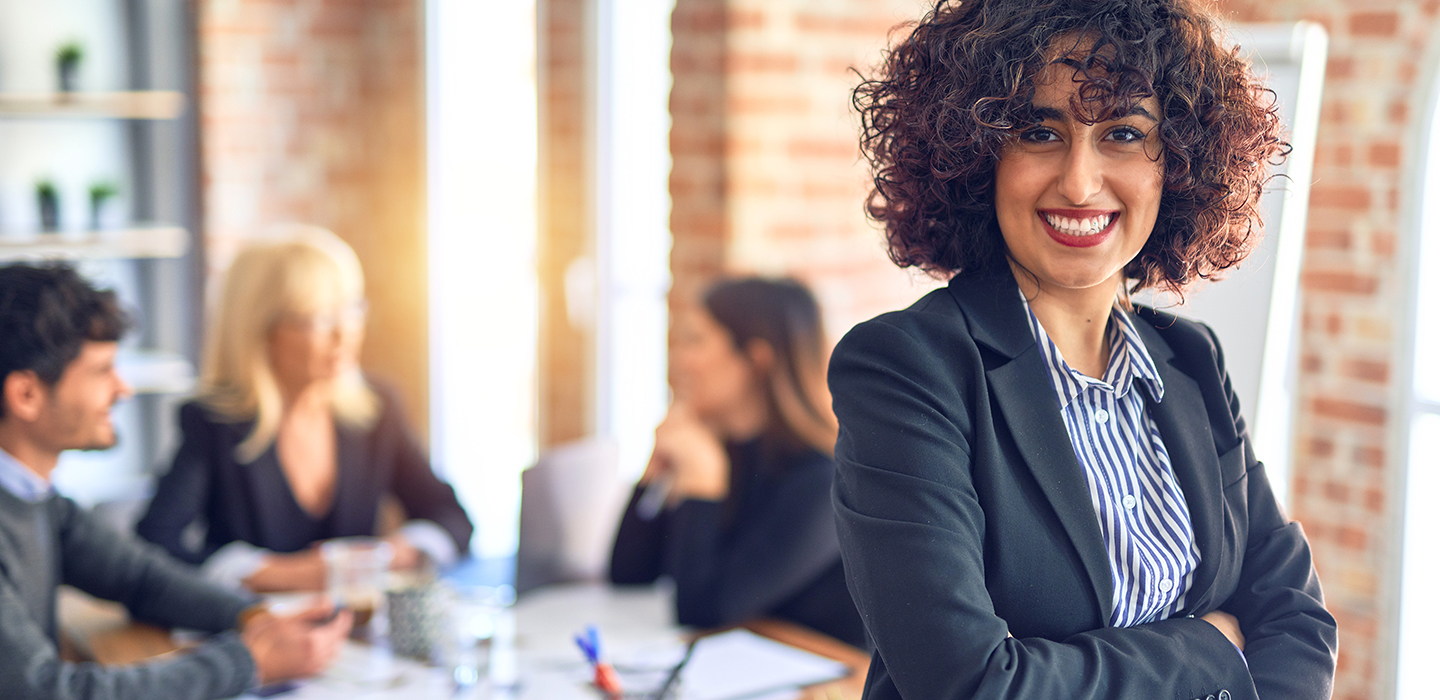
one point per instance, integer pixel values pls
(1165, 585)
(1128, 501)
(1102, 416)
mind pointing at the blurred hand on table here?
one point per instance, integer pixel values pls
(295, 645)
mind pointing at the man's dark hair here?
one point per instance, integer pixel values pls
(47, 313)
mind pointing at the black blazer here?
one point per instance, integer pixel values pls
(769, 551)
(964, 515)
(253, 502)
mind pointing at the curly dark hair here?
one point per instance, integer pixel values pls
(950, 97)
(47, 313)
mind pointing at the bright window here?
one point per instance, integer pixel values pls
(482, 156)
(1418, 617)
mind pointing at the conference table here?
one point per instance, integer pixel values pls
(528, 652)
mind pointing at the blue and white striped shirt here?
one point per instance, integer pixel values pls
(1142, 513)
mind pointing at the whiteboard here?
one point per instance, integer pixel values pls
(1255, 309)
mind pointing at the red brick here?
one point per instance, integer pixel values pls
(848, 25)
(1339, 68)
(745, 19)
(1352, 537)
(1348, 411)
(1334, 324)
(1337, 492)
(767, 104)
(739, 62)
(1383, 244)
(698, 18)
(1385, 155)
(811, 148)
(1374, 500)
(1328, 239)
(1366, 370)
(1399, 112)
(1340, 282)
(1349, 197)
(1370, 456)
(1376, 24)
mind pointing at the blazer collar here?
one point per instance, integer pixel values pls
(990, 302)
(1021, 388)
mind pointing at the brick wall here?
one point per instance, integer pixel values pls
(767, 178)
(311, 111)
(767, 172)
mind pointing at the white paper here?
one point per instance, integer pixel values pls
(741, 664)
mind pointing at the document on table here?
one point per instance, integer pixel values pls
(742, 664)
(735, 665)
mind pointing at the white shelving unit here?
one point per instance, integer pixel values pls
(135, 243)
(131, 122)
(137, 104)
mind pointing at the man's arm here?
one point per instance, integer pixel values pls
(31, 669)
(154, 587)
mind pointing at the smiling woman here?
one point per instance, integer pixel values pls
(1043, 490)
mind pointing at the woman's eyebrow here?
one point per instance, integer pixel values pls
(1138, 111)
(1044, 113)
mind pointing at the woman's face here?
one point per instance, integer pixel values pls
(1076, 202)
(316, 347)
(707, 371)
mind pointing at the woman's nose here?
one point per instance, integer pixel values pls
(1081, 174)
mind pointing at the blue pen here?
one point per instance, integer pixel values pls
(605, 678)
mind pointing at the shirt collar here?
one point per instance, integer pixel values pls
(21, 482)
(1129, 361)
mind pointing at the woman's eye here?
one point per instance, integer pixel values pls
(1126, 134)
(1039, 136)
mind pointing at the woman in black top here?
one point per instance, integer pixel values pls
(735, 502)
(288, 443)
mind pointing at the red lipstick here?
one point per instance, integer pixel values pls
(1073, 241)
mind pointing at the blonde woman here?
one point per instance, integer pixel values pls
(288, 443)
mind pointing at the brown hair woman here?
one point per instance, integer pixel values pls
(1042, 490)
(742, 459)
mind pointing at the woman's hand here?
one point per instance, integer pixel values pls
(1228, 626)
(405, 556)
(691, 454)
(301, 571)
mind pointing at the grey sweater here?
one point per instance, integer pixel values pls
(43, 545)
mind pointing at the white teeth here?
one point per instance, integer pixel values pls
(1079, 227)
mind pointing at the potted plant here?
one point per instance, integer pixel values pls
(48, 197)
(67, 63)
(100, 193)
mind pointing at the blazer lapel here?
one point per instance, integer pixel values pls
(1185, 427)
(1027, 400)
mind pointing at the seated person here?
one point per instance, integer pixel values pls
(743, 460)
(57, 385)
(289, 444)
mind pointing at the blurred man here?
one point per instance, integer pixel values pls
(58, 338)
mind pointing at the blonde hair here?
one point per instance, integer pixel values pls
(293, 270)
